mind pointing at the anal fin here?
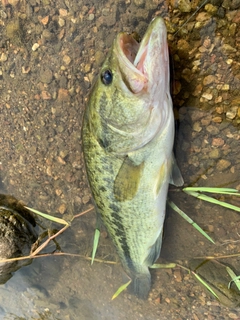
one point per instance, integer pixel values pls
(154, 251)
(176, 177)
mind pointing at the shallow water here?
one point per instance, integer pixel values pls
(49, 54)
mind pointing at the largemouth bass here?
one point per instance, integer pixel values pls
(128, 134)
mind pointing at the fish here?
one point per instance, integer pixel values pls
(127, 137)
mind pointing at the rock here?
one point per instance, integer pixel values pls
(235, 4)
(219, 109)
(91, 16)
(139, 3)
(46, 76)
(87, 68)
(213, 130)
(63, 95)
(13, 2)
(46, 95)
(62, 208)
(17, 235)
(202, 17)
(99, 57)
(226, 49)
(61, 22)
(66, 59)
(3, 57)
(207, 96)
(63, 12)
(214, 154)
(46, 34)
(231, 114)
(211, 9)
(208, 80)
(35, 46)
(184, 6)
(197, 127)
(45, 20)
(223, 164)
(217, 119)
(217, 142)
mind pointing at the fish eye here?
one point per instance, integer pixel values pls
(107, 77)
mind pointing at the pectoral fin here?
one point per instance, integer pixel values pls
(176, 177)
(127, 181)
(161, 177)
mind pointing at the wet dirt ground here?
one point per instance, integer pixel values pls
(50, 52)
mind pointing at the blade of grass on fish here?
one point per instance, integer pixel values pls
(163, 266)
(47, 216)
(205, 284)
(95, 244)
(123, 287)
(212, 200)
(235, 278)
(228, 191)
(189, 220)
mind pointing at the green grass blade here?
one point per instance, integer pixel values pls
(163, 265)
(123, 287)
(189, 220)
(95, 244)
(228, 191)
(235, 278)
(47, 216)
(214, 201)
(205, 285)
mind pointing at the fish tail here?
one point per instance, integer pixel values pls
(141, 284)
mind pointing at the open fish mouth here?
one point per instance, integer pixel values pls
(138, 61)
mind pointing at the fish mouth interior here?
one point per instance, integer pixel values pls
(131, 57)
(130, 48)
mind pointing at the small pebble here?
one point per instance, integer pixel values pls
(197, 127)
(139, 3)
(184, 6)
(217, 142)
(211, 9)
(61, 22)
(226, 49)
(217, 119)
(3, 57)
(46, 95)
(63, 12)
(35, 46)
(219, 109)
(63, 95)
(231, 114)
(45, 20)
(214, 154)
(66, 59)
(62, 208)
(208, 80)
(223, 164)
(207, 96)
(91, 16)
